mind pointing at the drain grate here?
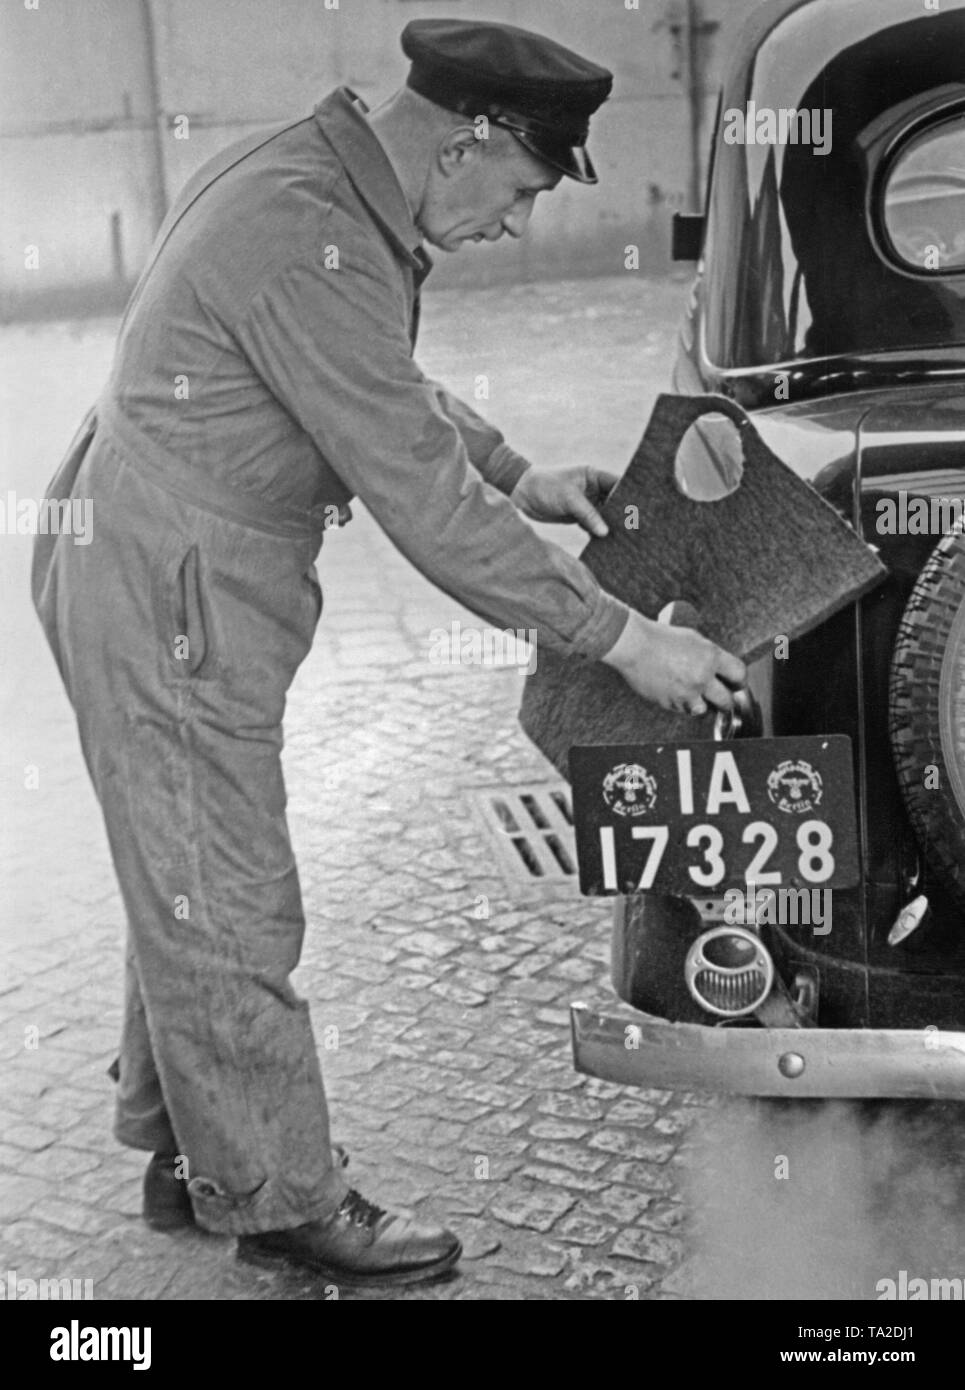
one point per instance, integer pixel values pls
(532, 829)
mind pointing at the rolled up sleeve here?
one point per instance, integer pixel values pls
(333, 346)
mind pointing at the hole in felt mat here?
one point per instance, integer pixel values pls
(710, 459)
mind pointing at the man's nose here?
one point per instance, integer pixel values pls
(516, 222)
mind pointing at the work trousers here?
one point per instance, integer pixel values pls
(177, 631)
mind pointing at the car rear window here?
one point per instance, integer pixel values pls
(795, 268)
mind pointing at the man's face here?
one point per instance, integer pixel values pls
(480, 189)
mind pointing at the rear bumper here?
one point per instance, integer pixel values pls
(620, 1044)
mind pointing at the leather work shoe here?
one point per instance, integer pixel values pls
(361, 1244)
(167, 1206)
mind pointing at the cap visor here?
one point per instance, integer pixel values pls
(573, 161)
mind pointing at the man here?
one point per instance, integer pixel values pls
(264, 376)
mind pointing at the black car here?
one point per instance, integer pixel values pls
(829, 304)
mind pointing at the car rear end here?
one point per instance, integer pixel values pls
(849, 352)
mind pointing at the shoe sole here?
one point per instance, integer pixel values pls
(425, 1274)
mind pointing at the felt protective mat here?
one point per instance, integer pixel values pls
(772, 558)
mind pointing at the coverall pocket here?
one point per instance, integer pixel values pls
(190, 644)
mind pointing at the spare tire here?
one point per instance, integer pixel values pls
(927, 711)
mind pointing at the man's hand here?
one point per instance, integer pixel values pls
(565, 494)
(674, 667)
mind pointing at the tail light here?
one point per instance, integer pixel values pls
(729, 972)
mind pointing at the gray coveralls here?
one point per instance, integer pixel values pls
(263, 377)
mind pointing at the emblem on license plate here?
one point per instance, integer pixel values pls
(795, 787)
(629, 790)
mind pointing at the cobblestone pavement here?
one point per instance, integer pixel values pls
(438, 984)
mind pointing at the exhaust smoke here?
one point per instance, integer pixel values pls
(824, 1200)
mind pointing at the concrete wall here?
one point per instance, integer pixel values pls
(106, 107)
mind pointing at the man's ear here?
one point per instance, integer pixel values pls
(458, 146)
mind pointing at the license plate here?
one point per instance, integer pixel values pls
(696, 818)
